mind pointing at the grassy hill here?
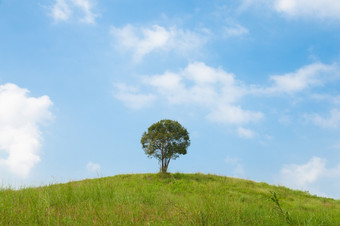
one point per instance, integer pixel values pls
(175, 199)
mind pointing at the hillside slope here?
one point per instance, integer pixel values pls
(176, 199)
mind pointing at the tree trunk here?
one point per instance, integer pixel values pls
(162, 151)
(165, 164)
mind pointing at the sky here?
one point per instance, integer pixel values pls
(255, 82)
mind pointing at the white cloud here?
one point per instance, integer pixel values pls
(219, 92)
(324, 9)
(325, 97)
(301, 175)
(131, 96)
(245, 133)
(211, 88)
(62, 10)
(143, 41)
(234, 115)
(236, 30)
(308, 76)
(309, 8)
(93, 167)
(20, 135)
(333, 121)
(86, 7)
(196, 85)
(310, 176)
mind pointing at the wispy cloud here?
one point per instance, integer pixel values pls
(93, 167)
(245, 133)
(236, 165)
(305, 77)
(234, 115)
(309, 8)
(132, 97)
(308, 76)
(63, 10)
(234, 30)
(142, 41)
(323, 9)
(334, 99)
(332, 121)
(20, 135)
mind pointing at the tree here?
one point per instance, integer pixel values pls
(165, 140)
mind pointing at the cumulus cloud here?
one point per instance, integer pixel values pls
(141, 41)
(324, 9)
(93, 167)
(301, 175)
(308, 176)
(62, 10)
(199, 84)
(332, 121)
(219, 92)
(20, 135)
(203, 86)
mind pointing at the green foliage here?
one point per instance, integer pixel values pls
(165, 140)
(280, 210)
(155, 199)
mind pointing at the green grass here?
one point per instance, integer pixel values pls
(173, 199)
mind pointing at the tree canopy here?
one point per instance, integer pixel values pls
(165, 140)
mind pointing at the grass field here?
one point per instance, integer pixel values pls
(173, 199)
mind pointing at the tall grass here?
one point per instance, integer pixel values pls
(173, 199)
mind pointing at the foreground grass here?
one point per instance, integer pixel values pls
(175, 199)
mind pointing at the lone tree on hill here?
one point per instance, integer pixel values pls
(165, 140)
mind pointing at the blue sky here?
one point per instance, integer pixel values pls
(255, 82)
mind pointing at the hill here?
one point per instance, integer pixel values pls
(173, 199)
